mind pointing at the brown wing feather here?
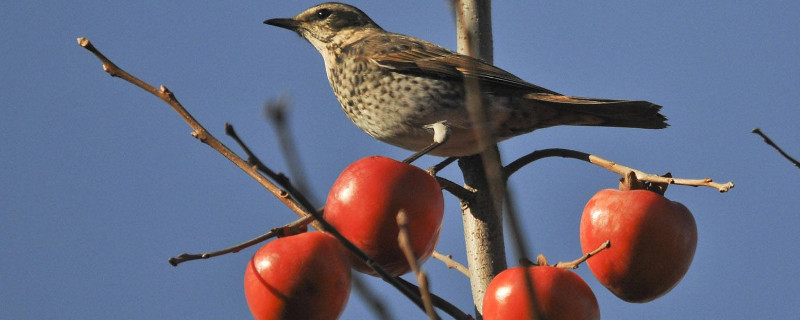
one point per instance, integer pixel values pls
(423, 58)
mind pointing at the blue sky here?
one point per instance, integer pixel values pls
(102, 183)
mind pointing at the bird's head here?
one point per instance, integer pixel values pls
(327, 23)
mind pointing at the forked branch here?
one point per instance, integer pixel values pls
(450, 263)
(204, 136)
(298, 226)
(199, 131)
(611, 166)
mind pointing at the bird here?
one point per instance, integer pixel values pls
(396, 87)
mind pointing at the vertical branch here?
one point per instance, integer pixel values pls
(474, 28)
(483, 230)
(277, 112)
(404, 240)
(483, 222)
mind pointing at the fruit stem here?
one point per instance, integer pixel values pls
(576, 263)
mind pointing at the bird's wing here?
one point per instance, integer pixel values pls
(405, 54)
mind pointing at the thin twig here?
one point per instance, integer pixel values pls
(404, 240)
(575, 263)
(252, 159)
(441, 165)
(278, 178)
(440, 303)
(298, 226)
(768, 141)
(611, 166)
(521, 247)
(199, 131)
(204, 136)
(462, 193)
(277, 113)
(450, 263)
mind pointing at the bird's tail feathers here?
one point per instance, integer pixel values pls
(566, 110)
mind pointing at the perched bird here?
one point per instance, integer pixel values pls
(394, 87)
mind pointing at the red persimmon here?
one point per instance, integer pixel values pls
(653, 241)
(363, 204)
(305, 276)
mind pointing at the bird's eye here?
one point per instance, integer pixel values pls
(323, 13)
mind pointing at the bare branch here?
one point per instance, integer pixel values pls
(277, 113)
(430, 299)
(611, 166)
(199, 131)
(465, 194)
(441, 165)
(252, 159)
(204, 136)
(440, 303)
(279, 178)
(482, 217)
(520, 246)
(296, 227)
(768, 141)
(450, 263)
(480, 117)
(404, 240)
(575, 263)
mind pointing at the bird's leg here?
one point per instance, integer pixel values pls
(441, 133)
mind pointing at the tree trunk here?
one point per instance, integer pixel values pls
(482, 217)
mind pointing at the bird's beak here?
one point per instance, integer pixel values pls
(290, 24)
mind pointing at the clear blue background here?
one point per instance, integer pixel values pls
(100, 182)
